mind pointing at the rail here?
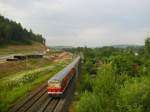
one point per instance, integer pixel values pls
(40, 101)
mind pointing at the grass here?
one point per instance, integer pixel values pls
(11, 68)
(16, 86)
(13, 49)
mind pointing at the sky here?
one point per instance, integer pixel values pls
(82, 22)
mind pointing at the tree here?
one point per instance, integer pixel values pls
(12, 32)
(147, 47)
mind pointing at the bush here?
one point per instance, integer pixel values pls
(90, 67)
(127, 64)
(134, 96)
(106, 86)
(121, 83)
(86, 83)
(89, 102)
(102, 98)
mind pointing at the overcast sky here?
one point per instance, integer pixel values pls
(83, 22)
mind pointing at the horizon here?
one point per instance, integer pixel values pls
(82, 23)
(114, 45)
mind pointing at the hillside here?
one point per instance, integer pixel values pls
(12, 33)
(14, 49)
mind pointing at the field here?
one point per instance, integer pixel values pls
(114, 80)
(19, 78)
(14, 49)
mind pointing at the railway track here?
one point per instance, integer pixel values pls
(40, 101)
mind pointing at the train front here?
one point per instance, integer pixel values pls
(54, 88)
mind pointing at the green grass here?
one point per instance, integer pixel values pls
(13, 88)
(18, 67)
(14, 49)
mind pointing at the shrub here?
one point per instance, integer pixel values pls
(102, 98)
(127, 64)
(89, 102)
(134, 96)
(86, 83)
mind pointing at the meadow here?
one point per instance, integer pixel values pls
(16, 86)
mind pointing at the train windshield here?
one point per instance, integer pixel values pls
(53, 84)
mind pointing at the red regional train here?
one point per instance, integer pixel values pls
(58, 83)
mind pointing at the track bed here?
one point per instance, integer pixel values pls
(40, 101)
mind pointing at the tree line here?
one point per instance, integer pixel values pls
(113, 79)
(13, 33)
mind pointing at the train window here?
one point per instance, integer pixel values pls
(53, 84)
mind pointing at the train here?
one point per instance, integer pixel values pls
(57, 84)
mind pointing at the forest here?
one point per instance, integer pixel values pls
(13, 33)
(114, 80)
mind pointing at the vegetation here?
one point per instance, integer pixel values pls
(14, 87)
(114, 80)
(36, 47)
(13, 33)
(16, 67)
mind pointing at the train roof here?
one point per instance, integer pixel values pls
(60, 75)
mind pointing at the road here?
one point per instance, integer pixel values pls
(3, 58)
